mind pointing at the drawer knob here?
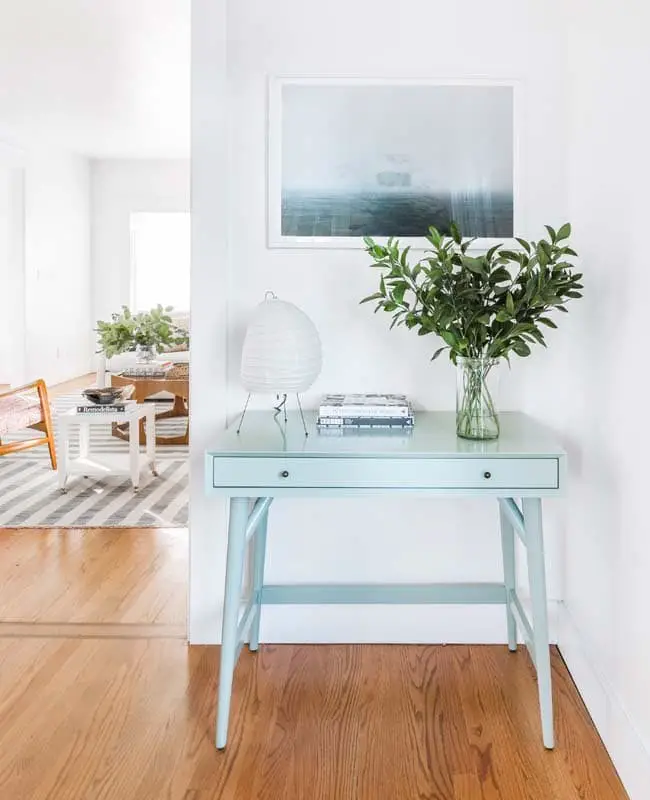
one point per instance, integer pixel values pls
(487, 475)
(284, 473)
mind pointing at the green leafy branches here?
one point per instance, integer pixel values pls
(126, 330)
(481, 306)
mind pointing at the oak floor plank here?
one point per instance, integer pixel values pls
(467, 787)
(579, 762)
(100, 699)
(134, 720)
(94, 575)
(512, 762)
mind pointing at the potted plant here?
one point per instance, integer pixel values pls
(146, 332)
(484, 307)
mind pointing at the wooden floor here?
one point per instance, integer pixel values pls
(101, 699)
(82, 382)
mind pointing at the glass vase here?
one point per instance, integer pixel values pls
(145, 353)
(477, 382)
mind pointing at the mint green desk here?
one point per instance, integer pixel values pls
(270, 458)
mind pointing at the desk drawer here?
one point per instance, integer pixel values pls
(385, 473)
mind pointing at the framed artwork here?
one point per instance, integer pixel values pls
(349, 158)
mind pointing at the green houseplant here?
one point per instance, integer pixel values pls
(145, 332)
(484, 307)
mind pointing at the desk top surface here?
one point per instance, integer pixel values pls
(433, 436)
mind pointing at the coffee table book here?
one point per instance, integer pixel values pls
(365, 405)
(104, 408)
(365, 411)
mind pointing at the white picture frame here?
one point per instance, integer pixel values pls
(291, 113)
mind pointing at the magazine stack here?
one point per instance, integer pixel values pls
(353, 411)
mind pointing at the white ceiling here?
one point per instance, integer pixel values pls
(105, 78)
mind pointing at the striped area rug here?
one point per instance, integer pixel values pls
(30, 497)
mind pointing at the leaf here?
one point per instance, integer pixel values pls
(375, 296)
(521, 348)
(524, 244)
(435, 274)
(405, 253)
(538, 335)
(434, 236)
(438, 352)
(398, 293)
(500, 275)
(455, 233)
(475, 265)
(510, 304)
(449, 338)
(551, 233)
(564, 232)
(548, 322)
(510, 255)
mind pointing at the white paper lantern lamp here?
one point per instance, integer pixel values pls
(282, 351)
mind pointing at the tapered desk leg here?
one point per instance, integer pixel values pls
(259, 557)
(508, 548)
(532, 508)
(229, 638)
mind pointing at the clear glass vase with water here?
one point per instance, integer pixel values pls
(477, 382)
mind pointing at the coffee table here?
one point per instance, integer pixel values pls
(146, 387)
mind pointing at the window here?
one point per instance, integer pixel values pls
(160, 260)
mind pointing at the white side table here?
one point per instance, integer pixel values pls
(107, 464)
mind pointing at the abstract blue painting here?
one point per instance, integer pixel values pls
(391, 159)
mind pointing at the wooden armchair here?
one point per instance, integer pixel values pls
(27, 407)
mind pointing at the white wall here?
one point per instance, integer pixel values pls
(57, 264)
(120, 187)
(209, 292)
(12, 265)
(350, 539)
(604, 636)
(7, 297)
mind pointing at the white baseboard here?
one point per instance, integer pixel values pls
(624, 743)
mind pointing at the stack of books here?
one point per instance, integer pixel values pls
(365, 411)
(152, 369)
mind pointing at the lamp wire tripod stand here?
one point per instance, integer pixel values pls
(280, 408)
